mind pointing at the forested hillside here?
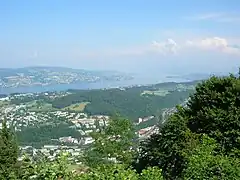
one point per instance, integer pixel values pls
(45, 118)
(130, 102)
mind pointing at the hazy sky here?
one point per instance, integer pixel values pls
(153, 36)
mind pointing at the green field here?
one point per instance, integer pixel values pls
(4, 103)
(39, 106)
(77, 107)
(160, 92)
(183, 87)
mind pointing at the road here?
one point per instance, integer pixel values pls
(165, 114)
(168, 111)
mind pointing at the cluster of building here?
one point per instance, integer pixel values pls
(45, 77)
(22, 116)
(52, 152)
(147, 132)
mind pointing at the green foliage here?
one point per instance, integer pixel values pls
(115, 141)
(152, 173)
(214, 110)
(42, 134)
(57, 169)
(129, 103)
(26, 99)
(200, 141)
(166, 149)
(8, 151)
(120, 172)
(111, 172)
(204, 163)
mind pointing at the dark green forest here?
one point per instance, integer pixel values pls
(129, 102)
(37, 136)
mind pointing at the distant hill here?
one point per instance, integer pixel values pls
(29, 70)
(30, 76)
(198, 76)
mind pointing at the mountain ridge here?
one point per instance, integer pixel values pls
(48, 75)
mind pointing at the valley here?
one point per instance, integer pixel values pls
(47, 122)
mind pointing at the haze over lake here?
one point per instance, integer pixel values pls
(95, 85)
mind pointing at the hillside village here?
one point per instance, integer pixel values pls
(24, 116)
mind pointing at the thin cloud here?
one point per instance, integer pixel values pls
(166, 47)
(169, 47)
(208, 16)
(217, 17)
(214, 44)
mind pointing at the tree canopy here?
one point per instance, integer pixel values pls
(205, 163)
(213, 110)
(8, 151)
(129, 103)
(112, 143)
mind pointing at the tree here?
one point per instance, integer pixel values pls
(114, 172)
(8, 150)
(153, 173)
(58, 169)
(120, 172)
(205, 163)
(214, 110)
(113, 142)
(169, 148)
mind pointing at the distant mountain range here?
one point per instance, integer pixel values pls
(44, 76)
(198, 76)
(31, 76)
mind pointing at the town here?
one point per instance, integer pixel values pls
(45, 76)
(31, 115)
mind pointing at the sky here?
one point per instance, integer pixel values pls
(144, 36)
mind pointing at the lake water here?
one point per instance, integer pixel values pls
(85, 86)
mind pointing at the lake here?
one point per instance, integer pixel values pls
(86, 85)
